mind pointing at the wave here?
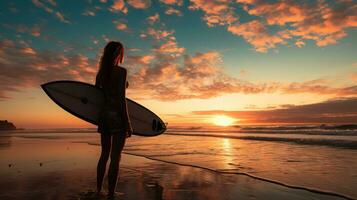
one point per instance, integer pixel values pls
(332, 139)
(274, 131)
(346, 130)
(341, 143)
(56, 130)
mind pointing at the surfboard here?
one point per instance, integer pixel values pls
(86, 101)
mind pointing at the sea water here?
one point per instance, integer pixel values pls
(324, 160)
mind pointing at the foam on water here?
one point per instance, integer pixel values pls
(323, 162)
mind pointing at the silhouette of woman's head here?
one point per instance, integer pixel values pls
(113, 55)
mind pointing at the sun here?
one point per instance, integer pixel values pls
(222, 120)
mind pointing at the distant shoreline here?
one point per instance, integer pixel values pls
(239, 128)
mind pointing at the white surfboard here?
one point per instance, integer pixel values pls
(86, 101)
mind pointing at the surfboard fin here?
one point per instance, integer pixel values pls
(159, 126)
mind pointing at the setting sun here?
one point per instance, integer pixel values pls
(222, 120)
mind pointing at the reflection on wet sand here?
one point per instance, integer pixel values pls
(132, 185)
(68, 172)
(5, 139)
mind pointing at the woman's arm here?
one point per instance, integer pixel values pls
(129, 128)
(97, 82)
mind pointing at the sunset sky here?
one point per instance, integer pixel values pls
(258, 62)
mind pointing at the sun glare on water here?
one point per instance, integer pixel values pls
(222, 120)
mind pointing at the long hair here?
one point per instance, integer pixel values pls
(112, 55)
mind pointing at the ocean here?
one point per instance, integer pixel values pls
(321, 160)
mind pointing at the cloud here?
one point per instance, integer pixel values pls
(61, 17)
(138, 61)
(119, 5)
(166, 74)
(121, 25)
(299, 43)
(199, 76)
(318, 86)
(157, 33)
(170, 47)
(276, 13)
(173, 11)
(326, 24)
(172, 2)
(45, 5)
(343, 110)
(139, 4)
(216, 12)
(323, 22)
(255, 33)
(166, 77)
(39, 4)
(52, 2)
(35, 30)
(88, 13)
(153, 18)
(22, 66)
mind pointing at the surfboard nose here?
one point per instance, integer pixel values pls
(157, 125)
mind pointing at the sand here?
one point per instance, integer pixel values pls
(38, 168)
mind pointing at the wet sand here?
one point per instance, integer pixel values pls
(62, 169)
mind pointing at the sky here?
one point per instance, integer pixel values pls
(192, 62)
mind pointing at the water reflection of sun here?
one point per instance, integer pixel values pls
(227, 151)
(222, 120)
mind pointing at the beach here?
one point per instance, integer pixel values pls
(61, 164)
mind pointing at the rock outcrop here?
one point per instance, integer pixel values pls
(6, 125)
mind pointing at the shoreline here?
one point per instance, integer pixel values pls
(67, 170)
(314, 190)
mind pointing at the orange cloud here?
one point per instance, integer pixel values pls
(121, 25)
(276, 13)
(326, 24)
(173, 11)
(22, 66)
(39, 4)
(119, 5)
(170, 47)
(256, 34)
(157, 34)
(320, 21)
(139, 4)
(133, 61)
(172, 2)
(342, 110)
(46, 7)
(154, 18)
(200, 76)
(34, 30)
(217, 12)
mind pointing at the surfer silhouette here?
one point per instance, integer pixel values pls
(114, 124)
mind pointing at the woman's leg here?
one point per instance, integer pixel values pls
(105, 140)
(115, 154)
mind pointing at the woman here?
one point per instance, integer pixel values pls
(114, 124)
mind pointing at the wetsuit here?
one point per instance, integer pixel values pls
(114, 118)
